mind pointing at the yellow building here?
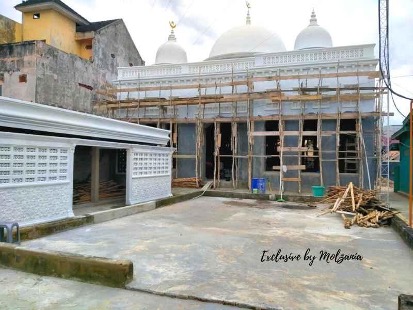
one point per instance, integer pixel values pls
(53, 22)
(57, 57)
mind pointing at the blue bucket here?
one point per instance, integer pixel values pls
(258, 185)
(318, 191)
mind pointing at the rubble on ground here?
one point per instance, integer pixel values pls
(187, 182)
(357, 206)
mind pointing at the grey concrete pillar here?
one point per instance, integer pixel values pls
(95, 174)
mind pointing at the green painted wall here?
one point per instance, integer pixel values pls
(404, 162)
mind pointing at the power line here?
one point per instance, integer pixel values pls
(394, 103)
(185, 12)
(212, 23)
(383, 16)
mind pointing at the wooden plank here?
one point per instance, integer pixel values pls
(370, 74)
(205, 99)
(353, 202)
(324, 116)
(182, 156)
(290, 133)
(290, 167)
(291, 179)
(264, 133)
(292, 149)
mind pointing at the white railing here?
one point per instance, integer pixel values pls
(333, 54)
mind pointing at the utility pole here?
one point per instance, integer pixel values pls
(411, 164)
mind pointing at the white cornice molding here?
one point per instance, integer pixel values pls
(12, 138)
(27, 115)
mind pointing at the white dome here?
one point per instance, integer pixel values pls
(314, 36)
(171, 52)
(245, 41)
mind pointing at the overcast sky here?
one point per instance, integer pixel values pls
(201, 22)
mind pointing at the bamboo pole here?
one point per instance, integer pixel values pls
(411, 165)
(215, 154)
(250, 126)
(300, 143)
(320, 150)
(337, 149)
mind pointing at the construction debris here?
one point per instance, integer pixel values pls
(362, 205)
(107, 189)
(187, 182)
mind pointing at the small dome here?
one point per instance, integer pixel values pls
(245, 41)
(314, 36)
(171, 52)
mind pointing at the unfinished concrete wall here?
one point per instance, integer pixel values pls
(64, 80)
(368, 127)
(37, 72)
(18, 70)
(10, 31)
(328, 146)
(113, 47)
(242, 150)
(258, 163)
(186, 146)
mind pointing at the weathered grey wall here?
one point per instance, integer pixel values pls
(258, 163)
(7, 30)
(328, 146)
(18, 59)
(186, 146)
(53, 76)
(368, 127)
(242, 150)
(58, 76)
(114, 39)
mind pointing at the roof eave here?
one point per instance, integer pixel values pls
(28, 115)
(51, 5)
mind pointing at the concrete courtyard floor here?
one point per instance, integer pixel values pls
(211, 248)
(20, 290)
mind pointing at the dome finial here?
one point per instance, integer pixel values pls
(313, 19)
(248, 22)
(172, 35)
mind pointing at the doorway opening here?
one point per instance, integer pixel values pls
(110, 176)
(225, 156)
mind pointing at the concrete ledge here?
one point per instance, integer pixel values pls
(405, 302)
(175, 199)
(97, 270)
(228, 194)
(239, 195)
(406, 232)
(108, 215)
(44, 229)
(206, 299)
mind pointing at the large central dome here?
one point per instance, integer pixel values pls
(245, 41)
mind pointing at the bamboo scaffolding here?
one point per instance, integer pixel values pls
(300, 142)
(243, 119)
(338, 149)
(320, 149)
(277, 77)
(273, 96)
(214, 92)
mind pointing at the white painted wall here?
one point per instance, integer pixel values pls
(36, 179)
(148, 174)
